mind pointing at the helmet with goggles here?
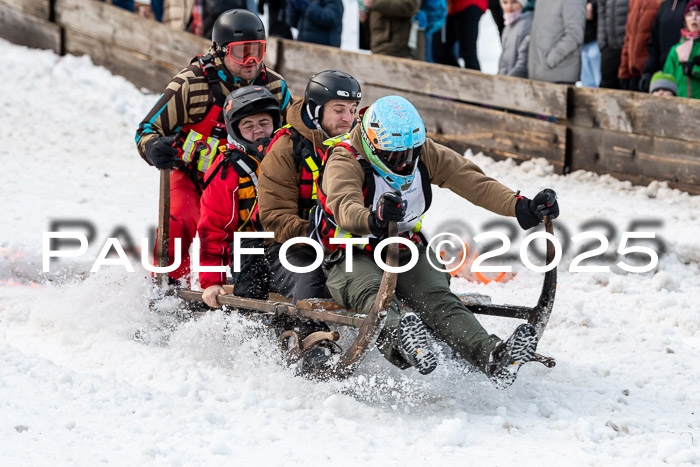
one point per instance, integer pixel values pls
(393, 135)
(240, 34)
(247, 101)
(327, 86)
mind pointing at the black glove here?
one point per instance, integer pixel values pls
(696, 60)
(162, 152)
(390, 207)
(624, 83)
(531, 212)
(644, 82)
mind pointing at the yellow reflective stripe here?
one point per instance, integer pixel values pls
(205, 156)
(189, 145)
(314, 175)
(419, 224)
(338, 139)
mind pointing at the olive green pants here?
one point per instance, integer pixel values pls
(423, 288)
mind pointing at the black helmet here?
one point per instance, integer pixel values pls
(237, 26)
(329, 85)
(247, 101)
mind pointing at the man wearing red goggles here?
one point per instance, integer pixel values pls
(185, 129)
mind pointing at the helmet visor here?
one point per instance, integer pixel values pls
(399, 161)
(246, 53)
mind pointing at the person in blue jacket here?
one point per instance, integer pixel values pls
(318, 21)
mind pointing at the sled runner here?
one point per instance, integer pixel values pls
(330, 312)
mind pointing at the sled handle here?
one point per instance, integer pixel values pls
(539, 317)
(374, 322)
(163, 235)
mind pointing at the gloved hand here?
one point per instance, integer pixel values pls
(644, 82)
(624, 83)
(531, 212)
(390, 207)
(162, 152)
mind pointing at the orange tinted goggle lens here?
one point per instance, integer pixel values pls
(245, 52)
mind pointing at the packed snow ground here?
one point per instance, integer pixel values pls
(77, 389)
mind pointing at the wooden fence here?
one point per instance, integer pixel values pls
(631, 136)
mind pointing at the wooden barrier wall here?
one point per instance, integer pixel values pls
(631, 136)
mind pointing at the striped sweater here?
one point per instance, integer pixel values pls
(187, 99)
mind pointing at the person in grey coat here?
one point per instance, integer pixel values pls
(556, 39)
(515, 38)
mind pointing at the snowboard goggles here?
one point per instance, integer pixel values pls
(245, 52)
(398, 160)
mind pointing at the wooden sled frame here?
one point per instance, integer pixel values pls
(371, 325)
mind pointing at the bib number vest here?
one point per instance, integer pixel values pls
(200, 141)
(418, 198)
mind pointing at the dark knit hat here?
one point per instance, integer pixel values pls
(693, 5)
(662, 80)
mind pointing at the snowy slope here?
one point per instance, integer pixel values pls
(76, 389)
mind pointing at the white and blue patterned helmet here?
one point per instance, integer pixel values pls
(392, 138)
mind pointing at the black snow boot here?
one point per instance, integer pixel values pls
(414, 343)
(507, 357)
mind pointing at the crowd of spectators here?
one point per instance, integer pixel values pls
(616, 44)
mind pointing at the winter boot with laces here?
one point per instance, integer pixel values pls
(414, 342)
(507, 358)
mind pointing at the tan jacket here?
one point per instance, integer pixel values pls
(343, 180)
(278, 186)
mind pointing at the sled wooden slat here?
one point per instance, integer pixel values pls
(340, 317)
(374, 322)
(163, 233)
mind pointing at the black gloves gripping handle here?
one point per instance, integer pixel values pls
(162, 152)
(390, 207)
(531, 212)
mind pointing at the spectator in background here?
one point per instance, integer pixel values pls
(665, 33)
(640, 17)
(318, 21)
(497, 15)
(462, 28)
(125, 4)
(663, 84)
(612, 16)
(683, 61)
(276, 12)
(177, 13)
(431, 17)
(212, 9)
(390, 25)
(556, 40)
(515, 38)
(590, 54)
